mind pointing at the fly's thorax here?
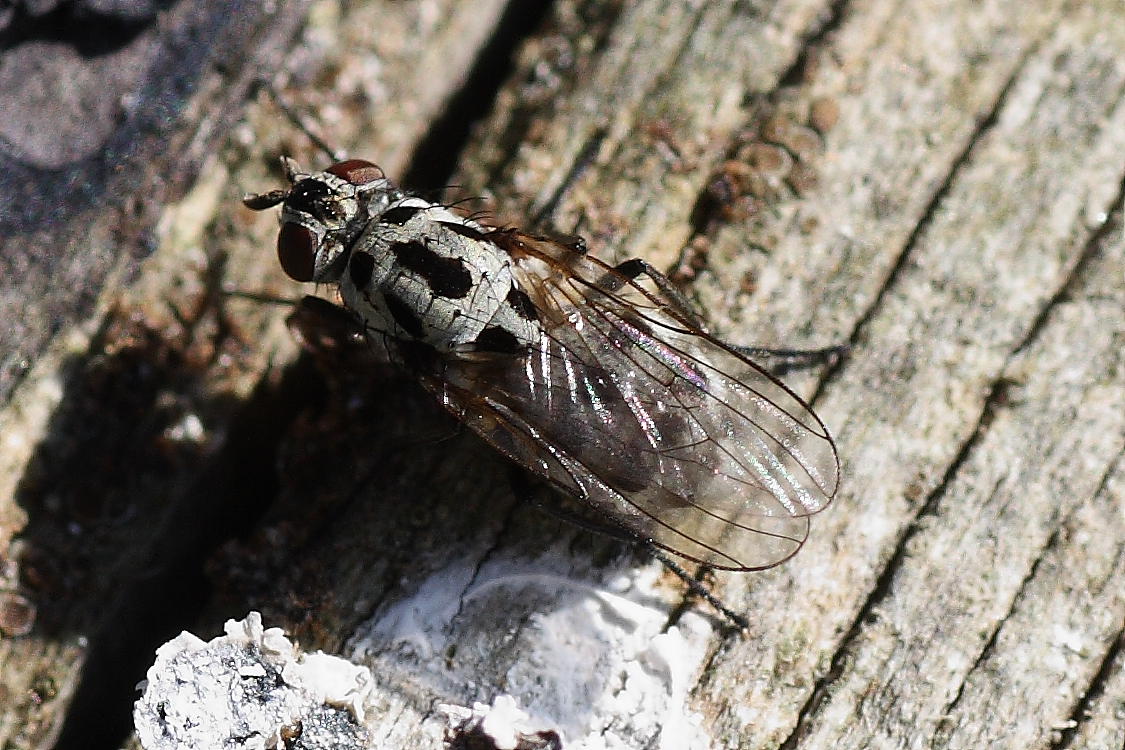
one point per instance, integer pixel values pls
(420, 273)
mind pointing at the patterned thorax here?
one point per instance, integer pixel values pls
(408, 268)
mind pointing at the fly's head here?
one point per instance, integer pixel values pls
(323, 213)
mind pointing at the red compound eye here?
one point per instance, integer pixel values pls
(356, 171)
(296, 249)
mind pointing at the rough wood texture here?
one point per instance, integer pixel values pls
(940, 184)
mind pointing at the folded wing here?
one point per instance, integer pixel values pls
(629, 406)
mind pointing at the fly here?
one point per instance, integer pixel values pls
(599, 379)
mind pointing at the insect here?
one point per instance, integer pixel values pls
(598, 378)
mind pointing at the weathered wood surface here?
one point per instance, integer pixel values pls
(948, 199)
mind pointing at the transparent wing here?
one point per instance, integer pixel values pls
(629, 406)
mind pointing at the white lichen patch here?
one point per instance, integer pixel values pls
(595, 666)
(250, 688)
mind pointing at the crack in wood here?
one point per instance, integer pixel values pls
(956, 165)
(436, 152)
(882, 588)
(989, 647)
(1093, 245)
(582, 162)
(1112, 662)
(1095, 689)
(834, 20)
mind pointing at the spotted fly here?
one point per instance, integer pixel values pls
(599, 379)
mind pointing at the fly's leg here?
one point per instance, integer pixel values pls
(333, 155)
(346, 354)
(340, 347)
(777, 361)
(781, 361)
(263, 298)
(633, 269)
(697, 587)
(524, 489)
(321, 327)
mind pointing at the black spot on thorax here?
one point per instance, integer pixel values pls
(400, 214)
(360, 267)
(522, 305)
(406, 318)
(464, 230)
(446, 277)
(499, 340)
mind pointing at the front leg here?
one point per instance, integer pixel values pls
(336, 338)
(781, 361)
(777, 361)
